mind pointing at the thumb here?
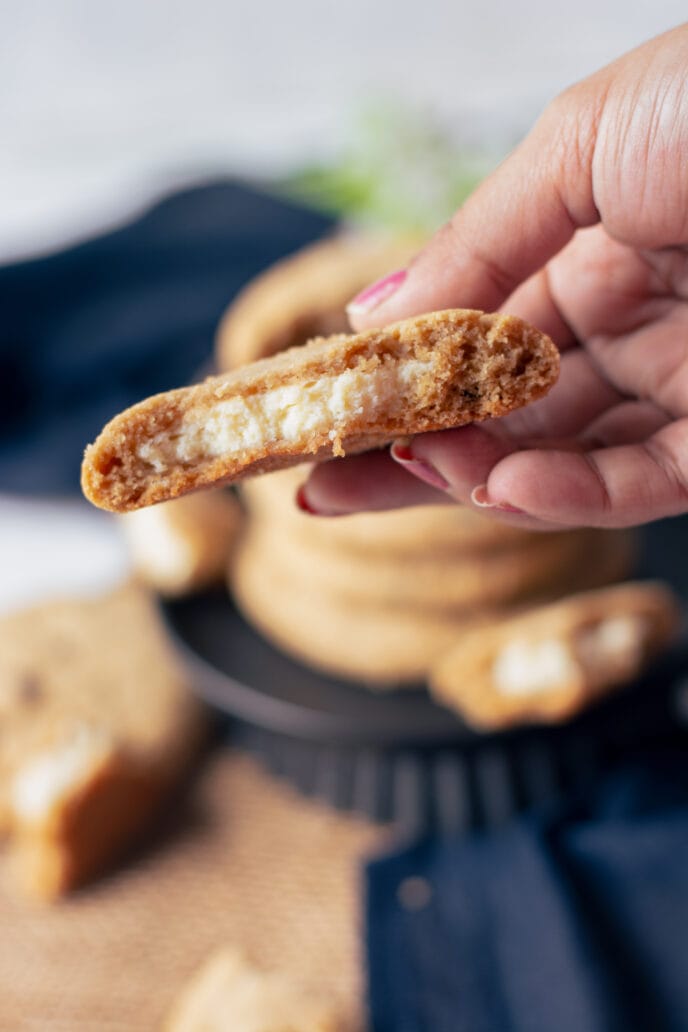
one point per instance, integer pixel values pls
(519, 217)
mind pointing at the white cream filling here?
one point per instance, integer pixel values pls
(283, 414)
(52, 775)
(614, 644)
(525, 667)
(611, 647)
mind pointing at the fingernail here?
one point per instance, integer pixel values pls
(306, 506)
(480, 497)
(302, 502)
(401, 453)
(378, 292)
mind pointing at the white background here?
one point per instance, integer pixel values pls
(104, 102)
(101, 100)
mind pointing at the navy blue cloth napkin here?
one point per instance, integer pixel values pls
(570, 923)
(90, 330)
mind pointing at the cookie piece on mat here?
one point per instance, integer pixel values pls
(230, 994)
(305, 295)
(183, 546)
(98, 725)
(332, 396)
(549, 663)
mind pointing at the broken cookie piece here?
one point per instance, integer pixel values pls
(183, 546)
(230, 994)
(547, 664)
(107, 729)
(336, 395)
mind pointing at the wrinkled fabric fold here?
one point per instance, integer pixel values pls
(576, 922)
(90, 330)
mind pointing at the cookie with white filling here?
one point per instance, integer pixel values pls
(98, 725)
(333, 396)
(547, 664)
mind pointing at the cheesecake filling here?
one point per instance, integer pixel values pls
(284, 414)
(51, 776)
(611, 648)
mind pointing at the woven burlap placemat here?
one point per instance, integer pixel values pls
(245, 861)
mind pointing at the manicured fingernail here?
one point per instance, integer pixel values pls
(378, 292)
(480, 497)
(401, 453)
(302, 502)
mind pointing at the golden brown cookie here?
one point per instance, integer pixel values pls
(97, 726)
(382, 648)
(426, 530)
(336, 395)
(432, 582)
(230, 994)
(305, 295)
(183, 546)
(547, 664)
(284, 593)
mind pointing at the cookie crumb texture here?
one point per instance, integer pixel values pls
(333, 396)
(91, 752)
(549, 663)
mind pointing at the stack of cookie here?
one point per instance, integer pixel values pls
(377, 597)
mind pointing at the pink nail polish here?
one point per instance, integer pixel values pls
(402, 454)
(375, 294)
(480, 497)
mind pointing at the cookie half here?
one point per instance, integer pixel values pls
(332, 396)
(98, 725)
(549, 663)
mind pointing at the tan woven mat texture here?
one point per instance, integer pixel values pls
(246, 861)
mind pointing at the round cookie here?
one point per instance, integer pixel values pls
(354, 640)
(359, 637)
(305, 295)
(418, 531)
(547, 664)
(428, 582)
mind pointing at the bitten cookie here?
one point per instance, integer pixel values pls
(183, 546)
(305, 295)
(549, 663)
(332, 396)
(229, 994)
(98, 725)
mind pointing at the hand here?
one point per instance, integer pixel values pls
(583, 231)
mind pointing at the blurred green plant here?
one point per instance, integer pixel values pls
(400, 170)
